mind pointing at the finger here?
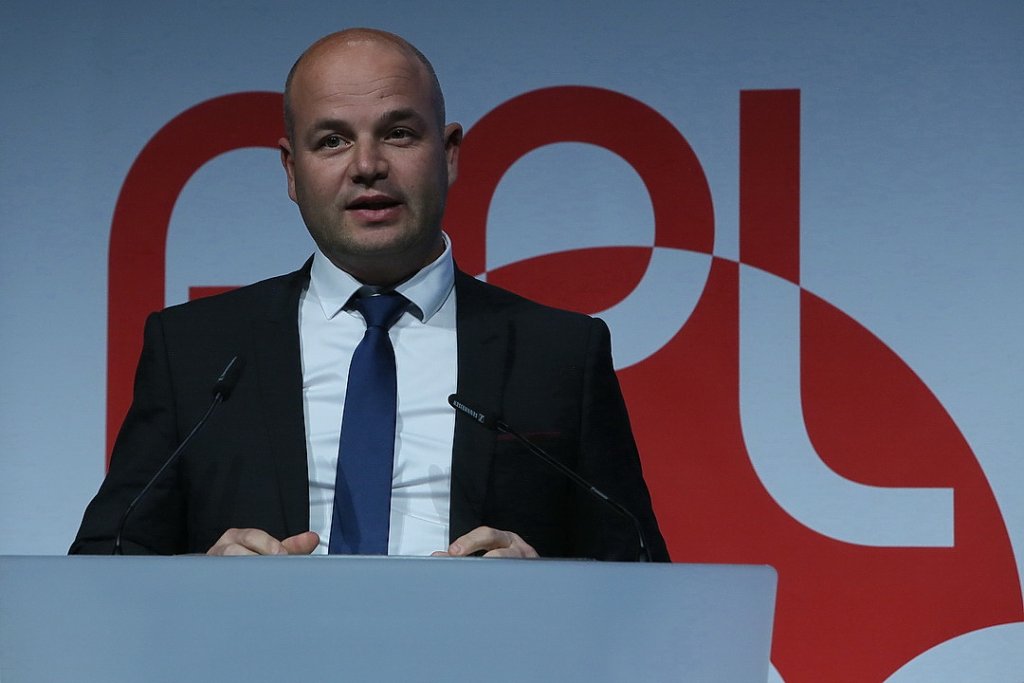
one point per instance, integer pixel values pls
(301, 544)
(518, 550)
(493, 542)
(256, 541)
(260, 542)
(481, 538)
(440, 553)
(232, 550)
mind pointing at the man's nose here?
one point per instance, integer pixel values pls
(369, 163)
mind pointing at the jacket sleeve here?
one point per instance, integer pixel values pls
(147, 437)
(608, 457)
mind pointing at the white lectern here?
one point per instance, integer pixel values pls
(179, 619)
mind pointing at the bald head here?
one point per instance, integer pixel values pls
(368, 156)
(355, 36)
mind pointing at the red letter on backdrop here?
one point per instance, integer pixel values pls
(138, 235)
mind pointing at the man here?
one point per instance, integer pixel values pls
(369, 160)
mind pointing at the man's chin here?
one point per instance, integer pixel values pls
(382, 256)
(376, 240)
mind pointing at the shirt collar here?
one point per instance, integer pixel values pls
(427, 290)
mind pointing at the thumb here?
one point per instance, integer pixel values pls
(301, 544)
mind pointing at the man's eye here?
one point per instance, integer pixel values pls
(400, 134)
(332, 142)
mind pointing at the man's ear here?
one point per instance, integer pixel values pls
(288, 161)
(452, 145)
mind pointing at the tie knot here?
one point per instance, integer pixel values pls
(381, 310)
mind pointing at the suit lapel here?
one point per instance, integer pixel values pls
(279, 372)
(482, 354)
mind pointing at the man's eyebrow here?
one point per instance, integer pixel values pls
(328, 124)
(404, 114)
(388, 117)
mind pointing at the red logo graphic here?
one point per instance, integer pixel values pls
(849, 609)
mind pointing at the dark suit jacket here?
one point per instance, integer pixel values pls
(548, 373)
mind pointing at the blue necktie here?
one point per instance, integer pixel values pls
(366, 453)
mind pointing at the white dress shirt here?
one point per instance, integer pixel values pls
(427, 370)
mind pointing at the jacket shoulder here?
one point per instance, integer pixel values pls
(272, 297)
(478, 295)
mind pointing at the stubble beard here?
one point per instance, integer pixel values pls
(389, 251)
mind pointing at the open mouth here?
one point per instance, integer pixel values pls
(372, 204)
(375, 209)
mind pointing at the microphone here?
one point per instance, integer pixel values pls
(225, 384)
(493, 423)
(221, 391)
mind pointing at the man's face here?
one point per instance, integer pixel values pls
(369, 164)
